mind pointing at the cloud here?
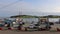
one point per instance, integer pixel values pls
(57, 9)
(29, 8)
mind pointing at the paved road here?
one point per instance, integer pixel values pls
(29, 32)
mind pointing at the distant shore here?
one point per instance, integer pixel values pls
(30, 16)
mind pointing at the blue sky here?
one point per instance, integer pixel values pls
(29, 7)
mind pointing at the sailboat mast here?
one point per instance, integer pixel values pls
(20, 10)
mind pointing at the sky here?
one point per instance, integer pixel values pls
(29, 7)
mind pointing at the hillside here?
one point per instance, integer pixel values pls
(29, 16)
(50, 16)
(24, 16)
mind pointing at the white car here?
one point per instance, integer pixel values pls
(42, 26)
(31, 26)
(55, 27)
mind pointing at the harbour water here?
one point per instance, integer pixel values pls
(29, 20)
